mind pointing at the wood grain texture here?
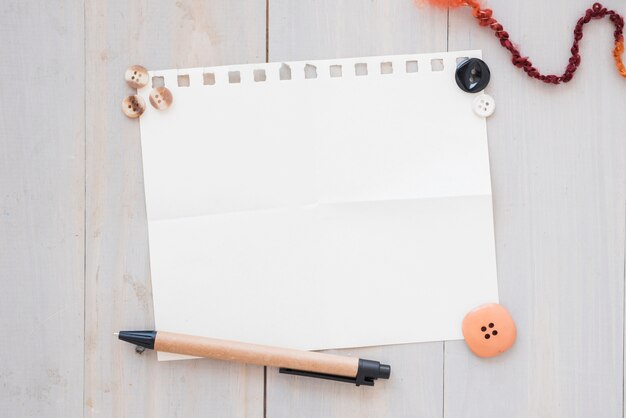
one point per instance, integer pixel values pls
(325, 29)
(349, 28)
(42, 203)
(158, 35)
(558, 158)
(261, 355)
(415, 388)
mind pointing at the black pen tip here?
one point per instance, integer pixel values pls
(140, 338)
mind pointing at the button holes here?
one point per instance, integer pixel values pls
(129, 106)
(483, 329)
(156, 96)
(491, 325)
(472, 75)
(487, 336)
(495, 332)
(132, 78)
(487, 103)
(135, 72)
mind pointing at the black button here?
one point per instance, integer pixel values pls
(472, 75)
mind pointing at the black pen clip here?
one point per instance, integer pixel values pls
(326, 376)
(366, 375)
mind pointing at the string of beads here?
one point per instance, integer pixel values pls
(597, 11)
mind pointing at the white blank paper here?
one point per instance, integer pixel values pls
(322, 212)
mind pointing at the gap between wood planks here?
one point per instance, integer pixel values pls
(267, 59)
(443, 358)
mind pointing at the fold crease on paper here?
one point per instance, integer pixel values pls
(328, 212)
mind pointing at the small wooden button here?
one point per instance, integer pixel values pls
(137, 76)
(161, 98)
(133, 106)
(489, 330)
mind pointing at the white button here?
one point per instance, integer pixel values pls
(484, 105)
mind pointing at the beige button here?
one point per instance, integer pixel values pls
(161, 98)
(137, 76)
(133, 106)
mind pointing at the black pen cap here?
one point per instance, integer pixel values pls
(370, 370)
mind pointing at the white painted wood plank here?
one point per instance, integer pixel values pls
(352, 28)
(158, 35)
(348, 28)
(415, 388)
(558, 170)
(42, 133)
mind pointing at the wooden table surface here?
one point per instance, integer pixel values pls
(73, 232)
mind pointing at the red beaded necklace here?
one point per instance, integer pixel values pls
(597, 11)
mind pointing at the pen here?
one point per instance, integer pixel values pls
(289, 361)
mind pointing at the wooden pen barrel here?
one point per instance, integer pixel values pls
(256, 354)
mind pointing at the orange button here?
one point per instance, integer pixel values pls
(136, 76)
(133, 106)
(489, 330)
(161, 98)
